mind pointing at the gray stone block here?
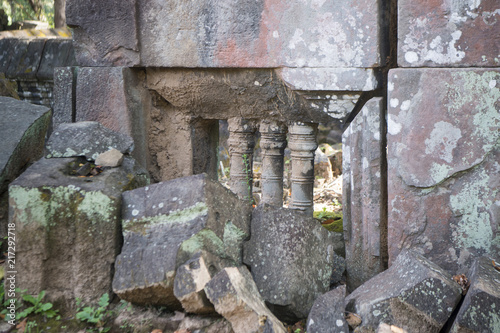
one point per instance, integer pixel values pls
(25, 64)
(448, 34)
(23, 127)
(413, 294)
(236, 297)
(64, 95)
(57, 52)
(8, 48)
(104, 32)
(363, 197)
(291, 260)
(164, 225)
(443, 148)
(327, 313)
(67, 229)
(480, 311)
(191, 278)
(86, 138)
(249, 34)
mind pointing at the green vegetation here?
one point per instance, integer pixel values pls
(95, 315)
(331, 220)
(21, 10)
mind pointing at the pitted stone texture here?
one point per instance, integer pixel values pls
(331, 79)
(117, 98)
(443, 153)
(68, 229)
(23, 127)
(57, 52)
(191, 279)
(164, 225)
(86, 138)
(414, 294)
(365, 219)
(480, 311)
(223, 94)
(327, 313)
(246, 33)
(236, 297)
(442, 33)
(64, 96)
(291, 259)
(104, 32)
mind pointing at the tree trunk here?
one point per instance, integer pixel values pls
(59, 13)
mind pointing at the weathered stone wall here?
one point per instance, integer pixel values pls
(426, 178)
(29, 63)
(443, 132)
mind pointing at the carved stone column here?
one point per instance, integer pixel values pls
(302, 144)
(272, 143)
(241, 144)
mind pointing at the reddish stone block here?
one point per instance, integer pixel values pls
(443, 164)
(441, 33)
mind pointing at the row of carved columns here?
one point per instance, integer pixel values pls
(302, 144)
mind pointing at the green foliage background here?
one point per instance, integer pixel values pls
(23, 11)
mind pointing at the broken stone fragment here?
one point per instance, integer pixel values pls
(191, 278)
(235, 296)
(480, 311)
(86, 138)
(291, 260)
(164, 225)
(327, 313)
(68, 229)
(112, 158)
(22, 132)
(414, 294)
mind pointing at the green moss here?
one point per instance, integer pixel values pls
(179, 216)
(332, 221)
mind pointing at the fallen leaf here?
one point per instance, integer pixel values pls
(22, 325)
(353, 320)
(462, 280)
(495, 265)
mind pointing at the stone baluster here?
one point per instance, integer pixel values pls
(272, 143)
(241, 145)
(302, 144)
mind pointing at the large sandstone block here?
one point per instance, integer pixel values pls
(413, 294)
(57, 52)
(115, 97)
(327, 313)
(443, 153)
(291, 259)
(480, 311)
(236, 297)
(104, 32)
(23, 127)
(164, 225)
(247, 33)
(64, 95)
(26, 59)
(364, 213)
(67, 229)
(444, 33)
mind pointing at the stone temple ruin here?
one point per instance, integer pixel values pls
(415, 85)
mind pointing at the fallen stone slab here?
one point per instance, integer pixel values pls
(205, 324)
(414, 294)
(164, 225)
(191, 278)
(86, 138)
(480, 311)
(23, 127)
(68, 229)
(291, 260)
(327, 313)
(236, 297)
